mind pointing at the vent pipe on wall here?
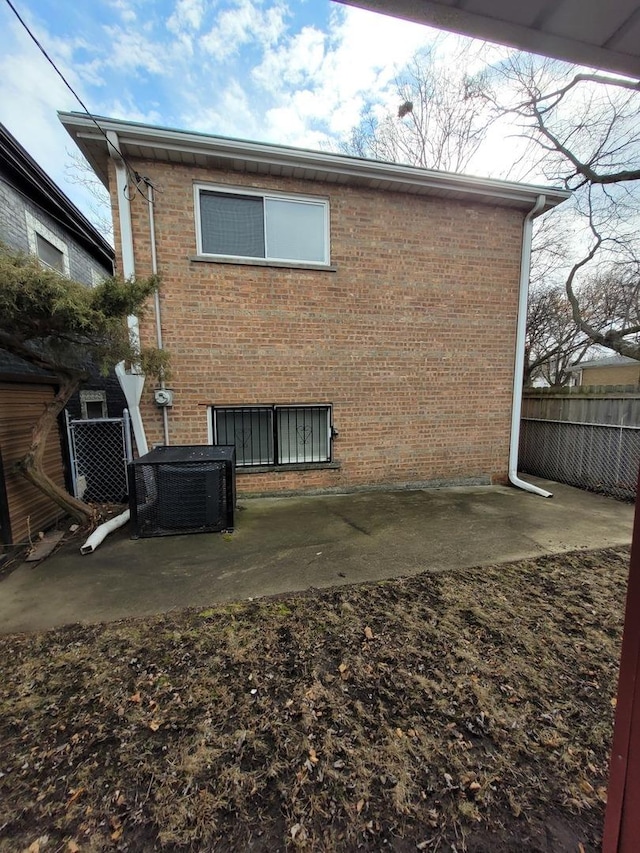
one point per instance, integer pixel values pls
(156, 297)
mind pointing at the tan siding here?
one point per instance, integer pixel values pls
(628, 374)
(29, 509)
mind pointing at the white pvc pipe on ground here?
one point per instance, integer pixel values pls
(101, 532)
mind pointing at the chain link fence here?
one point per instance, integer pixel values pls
(602, 458)
(100, 450)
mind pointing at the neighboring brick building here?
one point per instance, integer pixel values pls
(36, 217)
(347, 323)
(608, 370)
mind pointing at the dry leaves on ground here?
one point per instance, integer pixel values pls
(468, 710)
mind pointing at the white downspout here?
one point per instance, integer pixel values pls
(126, 230)
(133, 383)
(518, 370)
(156, 299)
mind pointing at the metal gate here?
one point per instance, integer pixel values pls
(100, 450)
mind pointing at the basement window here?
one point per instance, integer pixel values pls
(246, 224)
(275, 435)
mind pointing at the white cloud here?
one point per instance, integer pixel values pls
(187, 16)
(338, 72)
(92, 73)
(125, 9)
(130, 50)
(232, 115)
(31, 94)
(126, 108)
(293, 62)
(242, 24)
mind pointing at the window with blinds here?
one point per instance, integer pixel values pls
(243, 224)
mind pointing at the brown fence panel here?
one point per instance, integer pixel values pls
(599, 404)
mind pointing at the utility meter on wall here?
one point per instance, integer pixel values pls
(163, 397)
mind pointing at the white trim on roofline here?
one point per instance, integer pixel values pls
(237, 154)
(605, 361)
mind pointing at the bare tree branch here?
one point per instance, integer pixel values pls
(440, 123)
(581, 168)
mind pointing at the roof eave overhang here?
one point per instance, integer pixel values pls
(485, 22)
(138, 141)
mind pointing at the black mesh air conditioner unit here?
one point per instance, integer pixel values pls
(182, 489)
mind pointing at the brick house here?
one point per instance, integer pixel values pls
(37, 217)
(608, 370)
(346, 323)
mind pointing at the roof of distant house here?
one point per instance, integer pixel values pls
(149, 142)
(28, 178)
(607, 361)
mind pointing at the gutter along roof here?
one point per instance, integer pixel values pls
(606, 361)
(143, 141)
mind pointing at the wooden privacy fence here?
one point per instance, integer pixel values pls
(586, 436)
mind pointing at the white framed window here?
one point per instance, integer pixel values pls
(97, 277)
(52, 251)
(239, 223)
(93, 404)
(274, 435)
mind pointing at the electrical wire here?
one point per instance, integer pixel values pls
(137, 179)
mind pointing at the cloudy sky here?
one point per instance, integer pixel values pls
(289, 71)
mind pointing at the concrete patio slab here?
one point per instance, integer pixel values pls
(289, 544)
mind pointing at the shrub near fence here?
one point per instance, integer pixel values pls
(586, 436)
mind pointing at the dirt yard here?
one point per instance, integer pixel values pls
(465, 711)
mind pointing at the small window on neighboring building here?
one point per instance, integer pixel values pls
(93, 404)
(51, 250)
(97, 277)
(275, 435)
(48, 253)
(246, 224)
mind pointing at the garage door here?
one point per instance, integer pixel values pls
(27, 510)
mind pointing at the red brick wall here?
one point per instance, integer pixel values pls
(411, 339)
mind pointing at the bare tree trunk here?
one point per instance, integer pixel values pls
(31, 465)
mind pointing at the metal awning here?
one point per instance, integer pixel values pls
(602, 34)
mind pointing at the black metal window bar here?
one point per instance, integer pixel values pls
(275, 435)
